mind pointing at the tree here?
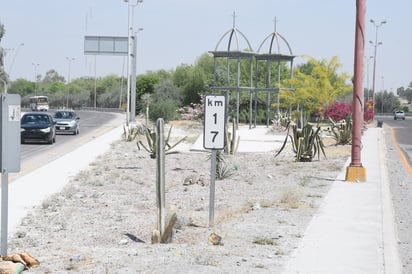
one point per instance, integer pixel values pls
(405, 93)
(21, 87)
(52, 76)
(4, 78)
(386, 102)
(145, 84)
(191, 82)
(317, 85)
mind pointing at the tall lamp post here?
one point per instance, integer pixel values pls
(133, 79)
(14, 57)
(35, 77)
(131, 5)
(367, 75)
(69, 59)
(375, 44)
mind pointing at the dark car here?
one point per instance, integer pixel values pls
(37, 126)
(67, 121)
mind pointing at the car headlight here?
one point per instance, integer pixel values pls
(45, 130)
(22, 129)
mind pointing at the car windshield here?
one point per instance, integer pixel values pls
(64, 115)
(35, 119)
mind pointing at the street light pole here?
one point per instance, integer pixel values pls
(35, 77)
(376, 44)
(367, 76)
(131, 5)
(70, 59)
(133, 78)
(14, 57)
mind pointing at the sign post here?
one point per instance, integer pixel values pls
(10, 154)
(214, 139)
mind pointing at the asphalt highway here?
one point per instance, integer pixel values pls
(92, 125)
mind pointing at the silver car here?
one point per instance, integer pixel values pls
(67, 121)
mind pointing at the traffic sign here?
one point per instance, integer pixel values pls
(215, 122)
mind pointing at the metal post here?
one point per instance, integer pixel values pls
(4, 185)
(4, 207)
(278, 99)
(268, 66)
(68, 81)
(160, 175)
(129, 59)
(212, 189)
(355, 172)
(35, 77)
(133, 81)
(376, 44)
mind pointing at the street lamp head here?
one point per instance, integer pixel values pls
(372, 21)
(383, 22)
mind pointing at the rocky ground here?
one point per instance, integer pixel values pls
(103, 220)
(401, 191)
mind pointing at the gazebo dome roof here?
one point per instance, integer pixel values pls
(277, 44)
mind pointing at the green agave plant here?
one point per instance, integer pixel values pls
(151, 142)
(131, 132)
(306, 142)
(342, 131)
(222, 167)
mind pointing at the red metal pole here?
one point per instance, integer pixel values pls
(355, 171)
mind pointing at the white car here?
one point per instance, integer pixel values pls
(399, 114)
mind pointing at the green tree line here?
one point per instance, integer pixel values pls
(315, 85)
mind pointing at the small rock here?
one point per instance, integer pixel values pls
(123, 242)
(215, 239)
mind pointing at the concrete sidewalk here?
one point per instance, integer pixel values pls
(353, 230)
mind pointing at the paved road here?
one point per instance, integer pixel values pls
(402, 130)
(92, 125)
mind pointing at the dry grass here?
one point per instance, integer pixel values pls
(291, 198)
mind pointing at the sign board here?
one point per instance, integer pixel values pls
(215, 122)
(10, 132)
(106, 45)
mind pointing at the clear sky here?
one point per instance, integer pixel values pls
(179, 31)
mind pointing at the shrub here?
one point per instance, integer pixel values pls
(165, 109)
(368, 112)
(338, 111)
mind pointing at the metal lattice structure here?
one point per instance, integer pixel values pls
(237, 48)
(272, 55)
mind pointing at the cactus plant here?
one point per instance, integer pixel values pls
(151, 142)
(306, 142)
(342, 131)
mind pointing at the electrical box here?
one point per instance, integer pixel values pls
(10, 132)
